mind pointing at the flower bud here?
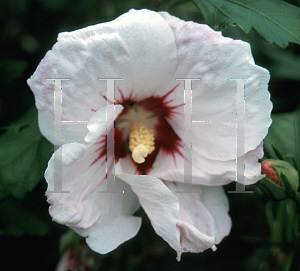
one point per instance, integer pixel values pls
(281, 181)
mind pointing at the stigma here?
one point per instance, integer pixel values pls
(141, 141)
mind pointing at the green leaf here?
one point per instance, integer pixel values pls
(294, 161)
(287, 186)
(282, 220)
(26, 216)
(277, 152)
(24, 154)
(284, 64)
(275, 20)
(284, 133)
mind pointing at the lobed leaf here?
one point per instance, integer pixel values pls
(24, 154)
(275, 20)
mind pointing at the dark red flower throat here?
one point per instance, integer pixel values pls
(166, 139)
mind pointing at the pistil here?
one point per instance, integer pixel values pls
(141, 142)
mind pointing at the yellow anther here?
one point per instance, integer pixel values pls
(141, 141)
(139, 153)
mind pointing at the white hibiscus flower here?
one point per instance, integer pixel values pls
(149, 51)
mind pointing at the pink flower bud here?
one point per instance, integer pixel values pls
(281, 181)
(269, 170)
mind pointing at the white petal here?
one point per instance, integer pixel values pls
(138, 46)
(99, 123)
(206, 171)
(106, 217)
(116, 224)
(159, 203)
(216, 202)
(204, 53)
(78, 207)
(252, 166)
(105, 238)
(203, 216)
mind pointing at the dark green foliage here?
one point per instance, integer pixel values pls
(284, 135)
(24, 154)
(275, 20)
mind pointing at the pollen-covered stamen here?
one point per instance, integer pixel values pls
(141, 142)
(139, 153)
